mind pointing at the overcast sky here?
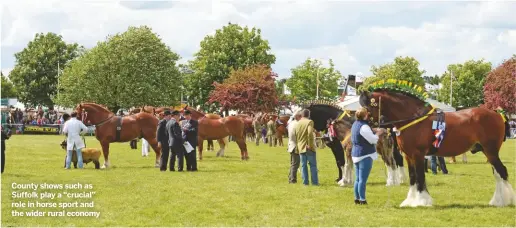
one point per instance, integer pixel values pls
(355, 35)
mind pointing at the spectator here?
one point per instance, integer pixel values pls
(304, 132)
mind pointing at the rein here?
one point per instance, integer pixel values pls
(104, 121)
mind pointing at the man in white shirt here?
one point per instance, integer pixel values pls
(292, 143)
(73, 128)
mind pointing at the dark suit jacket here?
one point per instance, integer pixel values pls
(190, 128)
(175, 138)
(162, 132)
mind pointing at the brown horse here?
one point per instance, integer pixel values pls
(281, 128)
(142, 125)
(464, 130)
(248, 122)
(212, 126)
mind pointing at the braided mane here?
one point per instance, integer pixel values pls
(399, 86)
(321, 102)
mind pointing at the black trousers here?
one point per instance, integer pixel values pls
(191, 160)
(164, 156)
(3, 158)
(180, 159)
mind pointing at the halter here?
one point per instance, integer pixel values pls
(414, 120)
(84, 115)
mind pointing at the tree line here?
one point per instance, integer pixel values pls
(231, 70)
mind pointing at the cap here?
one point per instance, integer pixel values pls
(167, 113)
(175, 113)
(187, 112)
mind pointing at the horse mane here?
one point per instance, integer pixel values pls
(95, 105)
(400, 87)
(321, 103)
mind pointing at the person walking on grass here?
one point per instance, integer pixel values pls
(305, 140)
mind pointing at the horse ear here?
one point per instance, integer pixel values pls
(364, 98)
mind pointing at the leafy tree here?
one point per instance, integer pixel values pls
(432, 80)
(500, 86)
(230, 48)
(403, 68)
(250, 89)
(303, 81)
(468, 83)
(127, 70)
(8, 90)
(35, 72)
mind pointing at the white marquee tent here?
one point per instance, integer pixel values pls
(351, 103)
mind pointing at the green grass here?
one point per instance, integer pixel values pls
(229, 192)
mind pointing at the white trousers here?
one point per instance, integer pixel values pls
(145, 147)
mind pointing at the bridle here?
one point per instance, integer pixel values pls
(84, 116)
(414, 120)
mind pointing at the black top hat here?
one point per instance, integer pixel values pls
(167, 113)
(187, 112)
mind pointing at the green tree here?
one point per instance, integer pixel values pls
(303, 82)
(8, 90)
(127, 70)
(35, 72)
(403, 68)
(468, 83)
(231, 48)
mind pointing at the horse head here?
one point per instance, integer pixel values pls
(384, 105)
(321, 112)
(92, 113)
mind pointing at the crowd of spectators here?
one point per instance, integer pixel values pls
(33, 117)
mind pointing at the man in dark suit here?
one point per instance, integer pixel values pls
(5, 136)
(162, 136)
(175, 142)
(190, 128)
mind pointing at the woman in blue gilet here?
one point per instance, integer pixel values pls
(363, 152)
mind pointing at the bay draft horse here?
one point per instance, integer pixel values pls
(321, 112)
(465, 129)
(140, 125)
(214, 127)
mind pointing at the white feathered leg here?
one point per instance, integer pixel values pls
(504, 193)
(347, 178)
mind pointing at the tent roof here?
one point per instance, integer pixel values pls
(351, 103)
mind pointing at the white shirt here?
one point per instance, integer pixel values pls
(74, 127)
(368, 134)
(291, 136)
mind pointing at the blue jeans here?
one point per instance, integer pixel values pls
(310, 158)
(362, 171)
(69, 158)
(442, 164)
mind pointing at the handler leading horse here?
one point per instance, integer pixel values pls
(110, 128)
(464, 129)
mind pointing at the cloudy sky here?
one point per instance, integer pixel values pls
(355, 35)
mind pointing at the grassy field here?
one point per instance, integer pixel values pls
(229, 192)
